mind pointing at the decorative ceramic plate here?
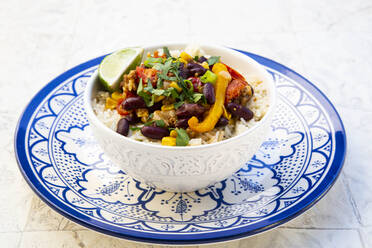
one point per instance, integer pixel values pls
(294, 168)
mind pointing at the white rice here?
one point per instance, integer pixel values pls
(259, 105)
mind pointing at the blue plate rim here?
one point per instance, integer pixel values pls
(187, 239)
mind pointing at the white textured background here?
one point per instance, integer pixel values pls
(329, 42)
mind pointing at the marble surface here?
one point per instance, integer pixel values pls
(329, 42)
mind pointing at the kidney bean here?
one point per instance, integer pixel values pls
(154, 132)
(188, 110)
(182, 123)
(123, 127)
(132, 118)
(202, 59)
(208, 92)
(133, 103)
(222, 122)
(240, 111)
(196, 68)
(154, 107)
(184, 72)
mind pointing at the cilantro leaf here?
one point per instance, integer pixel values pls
(186, 93)
(166, 52)
(197, 97)
(158, 92)
(213, 60)
(165, 77)
(140, 86)
(178, 104)
(149, 87)
(160, 123)
(182, 137)
(152, 101)
(149, 100)
(149, 123)
(164, 68)
(158, 66)
(135, 128)
(159, 83)
(171, 92)
(150, 61)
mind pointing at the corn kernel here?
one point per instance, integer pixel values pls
(110, 103)
(143, 113)
(205, 65)
(159, 98)
(185, 56)
(167, 107)
(168, 141)
(219, 67)
(176, 86)
(182, 61)
(116, 95)
(173, 133)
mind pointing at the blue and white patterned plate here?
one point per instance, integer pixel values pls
(294, 168)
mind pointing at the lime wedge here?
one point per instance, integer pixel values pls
(113, 66)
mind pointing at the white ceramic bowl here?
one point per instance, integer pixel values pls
(190, 168)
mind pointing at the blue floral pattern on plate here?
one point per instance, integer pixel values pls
(294, 167)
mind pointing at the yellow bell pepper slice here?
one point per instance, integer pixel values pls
(176, 86)
(209, 122)
(226, 114)
(110, 103)
(182, 61)
(168, 141)
(185, 56)
(218, 67)
(205, 65)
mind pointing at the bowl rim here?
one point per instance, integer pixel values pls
(271, 85)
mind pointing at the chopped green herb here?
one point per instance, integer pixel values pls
(166, 52)
(182, 137)
(196, 58)
(159, 83)
(135, 128)
(149, 100)
(160, 123)
(151, 115)
(197, 97)
(151, 103)
(165, 77)
(171, 92)
(149, 123)
(158, 66)
(150, 61)
(149, 87)
(213, 60)
(158, 92)
(164, 68)
(174, 93)
(140, 86)
(186, 92)
(178, 104)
